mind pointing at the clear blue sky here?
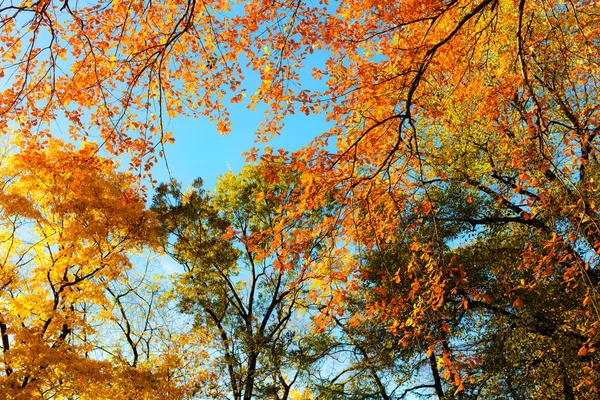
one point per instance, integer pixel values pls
(199, 150)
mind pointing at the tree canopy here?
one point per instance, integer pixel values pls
(241, 282)
(76, 321)
(456, 187)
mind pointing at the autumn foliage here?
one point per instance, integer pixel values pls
(459, 175)
(71, 226)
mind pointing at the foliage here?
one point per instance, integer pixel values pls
(75, 320)
(490, 105)
(241, 282)
(501, 328)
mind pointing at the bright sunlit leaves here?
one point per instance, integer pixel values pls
(461, 161)
(71, 226)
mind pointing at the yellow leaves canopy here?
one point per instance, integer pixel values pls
(70, 226)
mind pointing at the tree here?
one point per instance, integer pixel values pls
(241, 282)
(497, 327)
(70, 225)
(506, 328)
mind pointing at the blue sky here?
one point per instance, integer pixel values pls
(199, 150)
